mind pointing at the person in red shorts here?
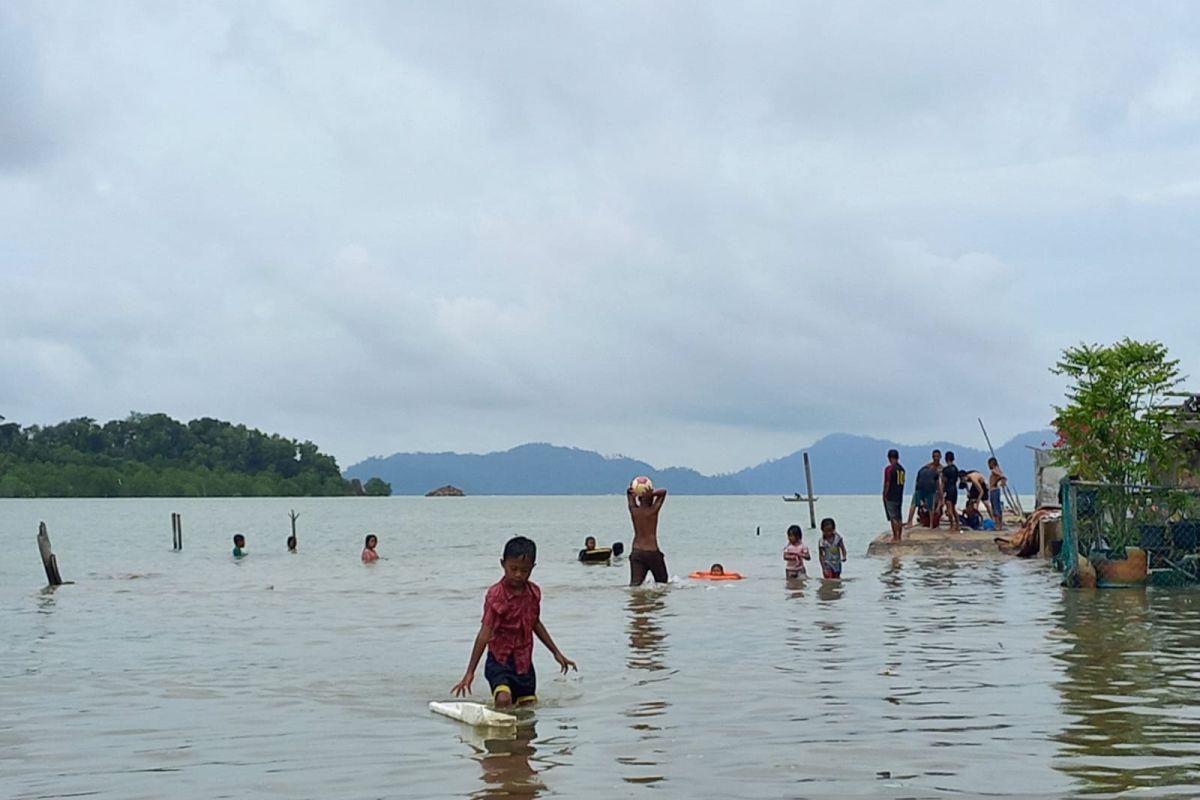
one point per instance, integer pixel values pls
(512, 611)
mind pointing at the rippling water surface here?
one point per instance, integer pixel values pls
(191, 675)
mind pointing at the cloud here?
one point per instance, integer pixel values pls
(693, 233)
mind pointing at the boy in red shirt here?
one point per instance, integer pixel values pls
(511, 618)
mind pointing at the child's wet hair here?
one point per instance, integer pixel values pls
(520, 547)
(796, 529)
(238, 539)
(367, 541)
(828, 521)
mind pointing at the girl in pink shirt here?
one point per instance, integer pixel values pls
(369, 554)
(796, 553)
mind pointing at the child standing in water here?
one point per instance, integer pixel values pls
(368, 553)
(644, 555)
(512, 611)
(239, 545)
(796, 553)
(831, 550)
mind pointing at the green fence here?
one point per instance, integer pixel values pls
(1102, 521)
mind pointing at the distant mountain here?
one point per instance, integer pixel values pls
(841, 464)
(846, 464)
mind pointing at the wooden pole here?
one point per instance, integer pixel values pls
(176, 531)
(1009, 495)
(49, 562)
(812, 511)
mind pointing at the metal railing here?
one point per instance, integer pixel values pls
(1102, 521)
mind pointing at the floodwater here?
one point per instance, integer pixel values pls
(193, 675)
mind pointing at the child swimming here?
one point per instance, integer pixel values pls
(368, 553)
(239, 545)
(511, 618)
(716, 569)
(795, 553)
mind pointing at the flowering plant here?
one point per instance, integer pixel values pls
(1113, 426)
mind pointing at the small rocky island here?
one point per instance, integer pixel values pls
(446, 491)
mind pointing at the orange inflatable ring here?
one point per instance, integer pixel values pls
(708, 576)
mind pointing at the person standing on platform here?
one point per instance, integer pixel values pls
(950, 491)
(893, 493)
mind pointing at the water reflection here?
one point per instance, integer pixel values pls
(647, 646)
(830, 590)
(647, 641)
(1132, 689)
(46, 599)
(507, 767)
(892, 578)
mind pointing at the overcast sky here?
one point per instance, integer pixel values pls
(696, 234)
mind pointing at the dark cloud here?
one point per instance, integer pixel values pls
(696, 233)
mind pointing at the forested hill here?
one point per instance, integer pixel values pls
(153, 455)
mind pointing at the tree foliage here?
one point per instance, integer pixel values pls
(1113, 426)
(153, 455)
(377, 487)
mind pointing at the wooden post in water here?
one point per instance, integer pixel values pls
(812, 511)
(176, 531)
(49, 562)
(293, 542)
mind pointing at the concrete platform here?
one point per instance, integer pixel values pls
(939, 542)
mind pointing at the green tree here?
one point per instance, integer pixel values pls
(1113, 427)
(153, 455)
(376, 487)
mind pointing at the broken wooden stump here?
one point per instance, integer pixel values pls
(49, 562)
(291, 541)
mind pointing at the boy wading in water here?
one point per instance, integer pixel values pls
(512, 611)
(644, 555)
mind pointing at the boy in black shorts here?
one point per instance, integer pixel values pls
(950, 490)
(644, 555)
(512, 616)
(893, 493)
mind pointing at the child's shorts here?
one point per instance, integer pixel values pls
(996, 503)
(831, 572)
(794, 573)
(504, 678)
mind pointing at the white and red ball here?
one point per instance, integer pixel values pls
(641, 485)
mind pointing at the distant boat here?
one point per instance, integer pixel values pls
(798, 498)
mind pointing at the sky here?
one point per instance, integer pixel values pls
(698, 234)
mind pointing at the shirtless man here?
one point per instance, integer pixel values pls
(975, 485)
(644, 556)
